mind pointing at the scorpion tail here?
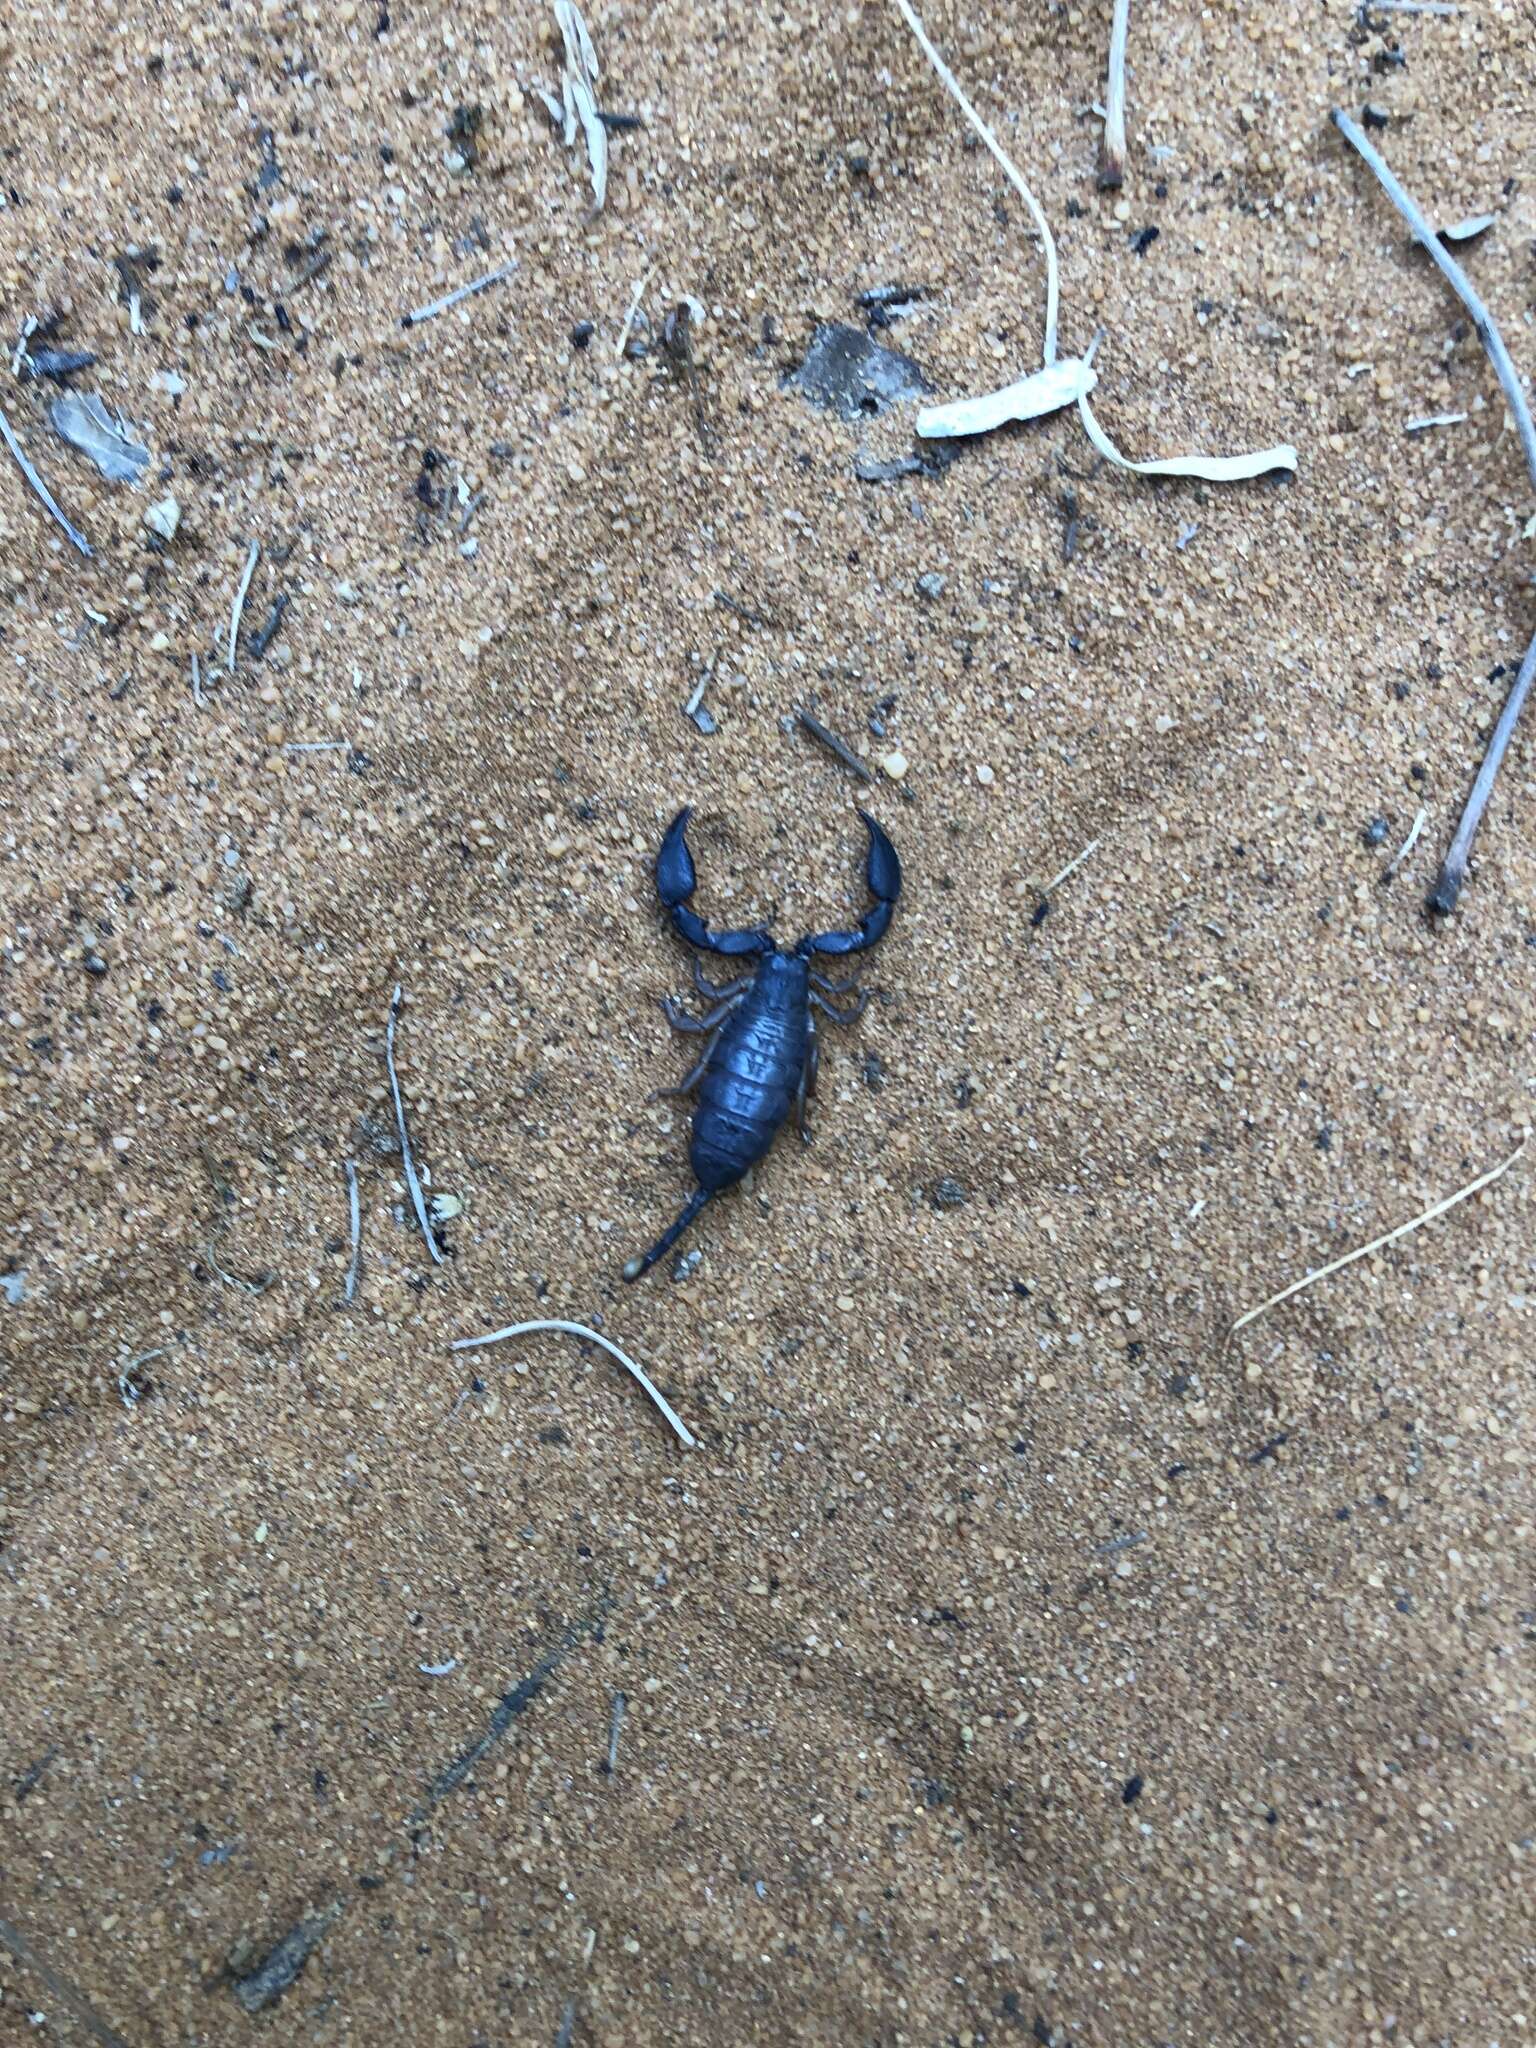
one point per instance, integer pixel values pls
(643, 1262)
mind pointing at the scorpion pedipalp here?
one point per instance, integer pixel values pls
(882, 871)
(676, 881)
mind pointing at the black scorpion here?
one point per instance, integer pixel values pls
(761, 1057)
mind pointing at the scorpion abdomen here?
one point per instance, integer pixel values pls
(749, 1085)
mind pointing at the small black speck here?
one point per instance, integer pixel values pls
(1041, 912)
(1418, 771)
(1341, 1514)
(173, 194)
(1324, 1139)
(554, 1435)
(1373, 116)
(1143, 239)
(1132, 1791)
(1375, 833)
(582, 333)
(94, 964)
(1271, 1816)
(1179, 1384)
(1401, 692)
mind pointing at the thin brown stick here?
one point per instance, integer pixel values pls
(1377, 1244)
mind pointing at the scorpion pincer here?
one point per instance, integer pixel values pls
(761, 1054)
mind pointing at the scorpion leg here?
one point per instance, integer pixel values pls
(841, 1016)
(834, 988)
(681, 1021)
(692, 1078)
(714, 992)
(807, 1079)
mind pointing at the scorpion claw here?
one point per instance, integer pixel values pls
(882, 871)
(676, 880)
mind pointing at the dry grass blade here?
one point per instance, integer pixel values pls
(412, 1181)
(1377, 1244)
(669, 1414)
(239, 604)
(951, 85)
(1112, 154)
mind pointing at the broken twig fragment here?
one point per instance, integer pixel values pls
(1112, 151)
(71, 533)
(669, 1414)
(832, 743)
(1443, 896)
(1453, 871)
(1377, 1244)
(465, 291)
(1455, 277)
(355, 1222)
(412, 1179)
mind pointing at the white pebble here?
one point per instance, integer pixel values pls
(894, 765)
(985, 776)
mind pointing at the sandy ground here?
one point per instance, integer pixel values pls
(1013, 1659)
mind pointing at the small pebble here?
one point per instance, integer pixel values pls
(985, 776)
(894, 765)
(1375, 833)
(931, 585)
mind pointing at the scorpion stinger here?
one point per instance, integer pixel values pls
(675, 883)
(883, 872)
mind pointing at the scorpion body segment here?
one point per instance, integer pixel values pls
(761, 1056)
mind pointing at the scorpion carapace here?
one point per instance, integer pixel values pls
(760, 1057)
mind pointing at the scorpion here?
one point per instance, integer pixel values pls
(762, 1056)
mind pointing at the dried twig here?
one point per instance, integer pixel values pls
(72, 533)
(1112, 151)
(239, 604)
(669, 1413)
(1453, 870)
(418, 1200)
(355, 1218)
(952, 86)
(465, 291)
(1454, 276)
(832, 743)
(1380, 1243)
(1453, 873)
